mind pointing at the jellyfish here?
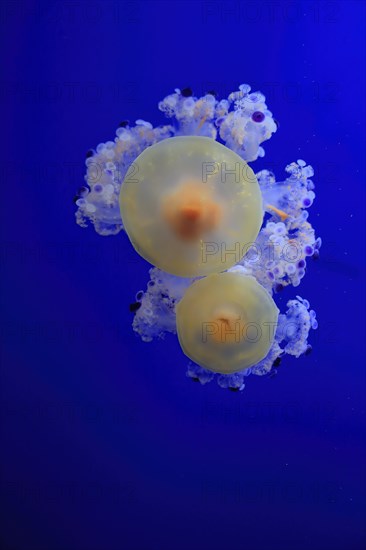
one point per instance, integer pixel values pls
(223, 240)
(190, 205)
(226, 322)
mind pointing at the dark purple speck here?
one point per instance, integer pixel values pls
(186, 92)
(83, 191)
(135, 306)
(301, 264)
(258, 116)
(309, 349)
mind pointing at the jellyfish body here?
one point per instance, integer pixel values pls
(191, 206)
(226, 322)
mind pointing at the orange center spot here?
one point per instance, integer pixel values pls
(228, 329)
(191, 211)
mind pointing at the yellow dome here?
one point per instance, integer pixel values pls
(226, 322)
(191, 206)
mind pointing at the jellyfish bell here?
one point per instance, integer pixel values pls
(226, 322)
(191, 206)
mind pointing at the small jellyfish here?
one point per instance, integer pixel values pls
(190, 206)
(226, 322)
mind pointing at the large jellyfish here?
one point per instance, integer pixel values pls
(185, 195)
(223, 241)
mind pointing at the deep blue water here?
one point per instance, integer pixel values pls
(105, 443)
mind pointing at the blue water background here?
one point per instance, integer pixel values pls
(106, 445)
